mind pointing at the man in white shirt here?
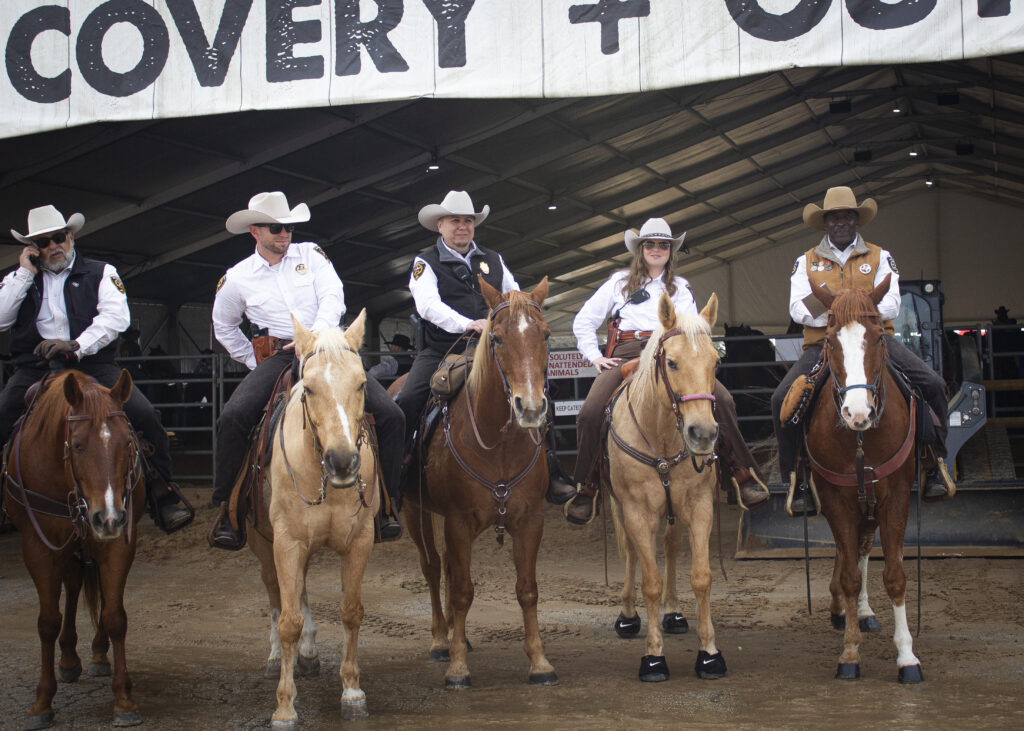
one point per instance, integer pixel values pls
(844, 260)
(278, 280)
(67, 311)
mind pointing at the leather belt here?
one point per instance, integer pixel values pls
(624, 336)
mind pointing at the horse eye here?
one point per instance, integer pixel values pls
(307, 391)
(78, 446)
(547, 336)
(672, 365)
(498, 340)
(362, 387)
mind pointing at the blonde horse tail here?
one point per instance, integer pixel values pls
(91, 585)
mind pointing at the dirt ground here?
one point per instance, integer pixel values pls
(198, 641)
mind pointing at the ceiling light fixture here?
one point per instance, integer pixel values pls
(929, 182)
(896, 109)
(552, 206)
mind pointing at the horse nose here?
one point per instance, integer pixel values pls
(701, 435)
(341, 462)
(530, 416)
(108, 525)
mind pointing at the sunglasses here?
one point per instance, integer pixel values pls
(664, 245)
(276, 228)
(58, 238)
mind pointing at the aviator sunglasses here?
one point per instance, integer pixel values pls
(664, 245)
(276, 228)
(58, 238)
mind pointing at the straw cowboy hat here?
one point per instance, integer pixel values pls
(456, 203)
(654, 229)
(267, 208)
(840, 198)
(47, 219)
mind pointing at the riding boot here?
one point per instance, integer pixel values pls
(561, 489)
(388, 528)
(584, 507)
(802, 498)
(750, 491)
(224, 533)
(938, 485)
(170, 509)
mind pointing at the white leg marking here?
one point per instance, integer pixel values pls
(901, 637)
(855, 402)
(863, 608)
(307, 641)
(275, 640)
(353, 694)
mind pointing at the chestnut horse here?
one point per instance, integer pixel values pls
(322, 492)
(862, 417)
(485, 466)
(74, 489)
(661, 463)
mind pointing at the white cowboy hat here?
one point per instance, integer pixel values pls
(456, 203)
(654, 229)
(266, 208)
(840, 198)
(47, 219)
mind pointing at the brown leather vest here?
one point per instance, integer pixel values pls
(858, 273)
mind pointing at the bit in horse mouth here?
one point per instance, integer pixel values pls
(342, 481)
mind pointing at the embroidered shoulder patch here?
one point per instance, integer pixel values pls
(321, 252)
(117, 283)
(796, 265)
(221, 282)
(892, 265)
(417, 270)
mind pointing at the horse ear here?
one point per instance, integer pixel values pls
(666, 312)
(823, 296)
(879, 292)
(354, 332)
(123, 388)
(491, 296)
(304, 339)
(710, 311)
(72, 391)
(540, 292)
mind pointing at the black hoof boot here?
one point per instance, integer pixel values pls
(838, 621)
(848, 671)
(544, 679)
(869, 624)
(710, 666)
(911, 674)
(627, 627)
(653, 669)
(675, 624)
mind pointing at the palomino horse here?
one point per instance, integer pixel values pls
(485, 466)
(322, 492)
(661, 462)
(863, 420)
(75, 491)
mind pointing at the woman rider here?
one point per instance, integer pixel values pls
(632, 298)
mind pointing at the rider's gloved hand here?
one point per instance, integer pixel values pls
(55, 348)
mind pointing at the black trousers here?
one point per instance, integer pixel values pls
(416, 389)
(243, 410)
(143, 417)
(922, 377)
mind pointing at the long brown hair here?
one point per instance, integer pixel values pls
(638, 273)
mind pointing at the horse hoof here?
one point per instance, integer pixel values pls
(354, 710)
(911, 674)
(307, 667)
(69, 675)
(653, 669)
(99, 670)
(128, 718)
(675, 624)
(456, 683)
(869, 624)
(848, 671)
(838, 621)
(283, 724)
(544, 679)
(439, 656)
(627, 627)
(710, 666)
(44, 720)
(273, 669)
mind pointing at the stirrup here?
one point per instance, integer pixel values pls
(811, 494)
(593, 507)
(947, 480)
(763, 489)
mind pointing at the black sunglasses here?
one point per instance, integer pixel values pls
(276, 228)
(58, 238)
(657, 244)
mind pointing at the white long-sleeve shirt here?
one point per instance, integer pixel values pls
(304, 283)
(800, 287)
(112, 316)
(429, 304)
(643, 316)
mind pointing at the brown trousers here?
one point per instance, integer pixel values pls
(731, 447)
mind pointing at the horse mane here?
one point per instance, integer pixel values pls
(852, 305)
(483, 366)
(329, 341)
(51, 407)
(694, 327)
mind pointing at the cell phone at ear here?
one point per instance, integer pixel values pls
(35, 261)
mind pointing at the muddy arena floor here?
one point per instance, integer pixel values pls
(198, 642)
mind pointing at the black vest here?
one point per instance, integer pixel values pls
(81, 298)
(459, 288)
